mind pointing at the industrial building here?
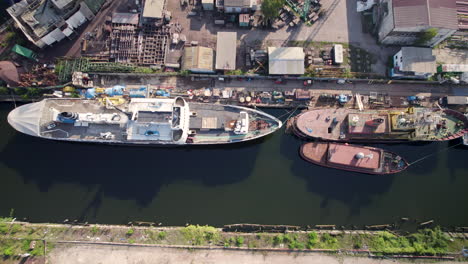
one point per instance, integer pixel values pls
(413, 63)
(45, 22)
(140, 39)
(226, 47)
(403, 21)
(153, 11)
(237, 6)
(286, 61)
(198, 59)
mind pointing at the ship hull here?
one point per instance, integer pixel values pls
(304, 127)
(308, 153)
(27, 119)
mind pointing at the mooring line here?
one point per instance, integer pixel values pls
(291, 113)
(12, 97)
(432, 154)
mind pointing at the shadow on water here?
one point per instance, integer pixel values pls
(124, 172)
(353, 189)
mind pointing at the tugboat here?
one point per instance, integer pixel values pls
(385, 126)
(141, 121)
(355, 158)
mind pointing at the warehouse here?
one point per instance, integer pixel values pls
(286, 61)
(198, 60)
(226, 46)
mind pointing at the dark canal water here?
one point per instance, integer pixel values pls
(261, 182)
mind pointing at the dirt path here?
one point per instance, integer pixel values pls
(77, 254)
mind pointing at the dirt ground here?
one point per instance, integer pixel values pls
(451, 56)
(342, 23)
(78, 254)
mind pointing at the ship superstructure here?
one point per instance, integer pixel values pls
(389, 125)
(145, 121)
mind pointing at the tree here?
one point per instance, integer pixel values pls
(426, 35)
(271, 8)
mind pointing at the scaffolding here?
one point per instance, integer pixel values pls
(145, 46)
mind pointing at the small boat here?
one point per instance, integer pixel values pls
(465, 139)
(356, 158)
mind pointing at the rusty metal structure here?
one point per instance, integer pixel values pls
(137, 43)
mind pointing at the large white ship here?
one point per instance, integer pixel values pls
(141, 121)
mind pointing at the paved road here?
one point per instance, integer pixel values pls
(394, 89)
(362, 88)
(83, 254)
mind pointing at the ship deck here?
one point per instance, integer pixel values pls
(318, 123)
(79, 131)
(344, 124)
(208, 123)
(345, 155)
(215, 123)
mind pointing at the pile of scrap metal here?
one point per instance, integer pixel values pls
(40, 75)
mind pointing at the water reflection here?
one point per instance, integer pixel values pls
(353, 189)
(128, 173)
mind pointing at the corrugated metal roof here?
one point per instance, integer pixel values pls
(125, 18)
(237, 3)
(61, 3)
(226, 48)
(153, 8)
(457, 100)
(24, 51)
(435, 13)
(286, 60)
(198, 59)
(418, 60)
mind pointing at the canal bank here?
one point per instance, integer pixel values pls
(22, 239)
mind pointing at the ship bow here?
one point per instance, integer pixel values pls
(25, 118)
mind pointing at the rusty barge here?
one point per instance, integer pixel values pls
(384, 126)
(355, 158)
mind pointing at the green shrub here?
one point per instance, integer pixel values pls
(94, 230)
(328, 241)
(3, 91)
(239, 241)
(20, 90)
(296, 245)
(144, 70)
(200, 234)
(234, 72)
(312, 240)
(427, 35)
(15, 228)
(424, 242)
(8, 252)
(357, 241)
(130, 232)
(278, 239)
(3, 228)
(9, 36)
(162, 235)
(184, 73)
(33, 92)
